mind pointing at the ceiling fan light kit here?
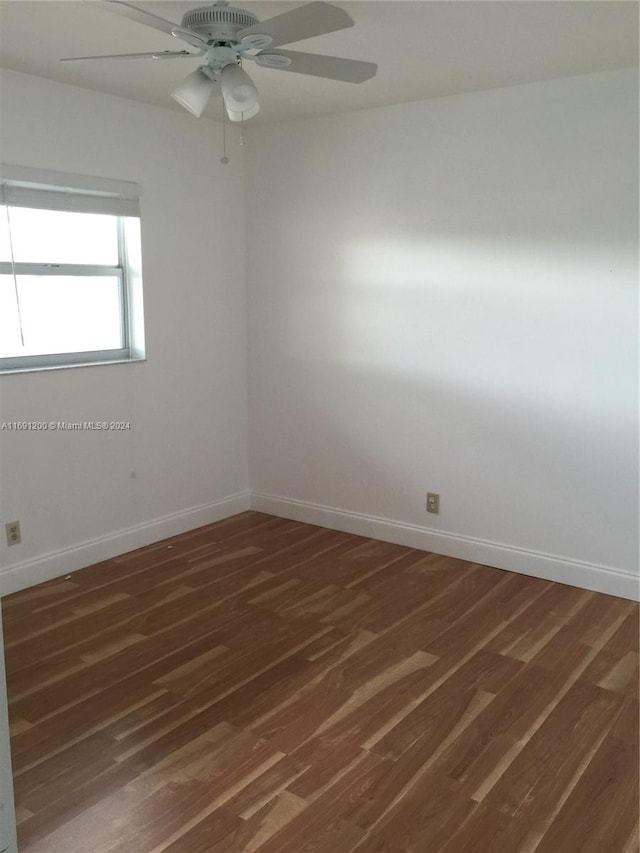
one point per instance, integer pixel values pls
(236, 115)
(195, 91)
(238, 91)
(224, 37)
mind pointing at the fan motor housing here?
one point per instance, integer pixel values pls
(218, 22)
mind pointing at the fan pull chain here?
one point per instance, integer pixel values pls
(243, 140)
(224, 159)
(13, 269)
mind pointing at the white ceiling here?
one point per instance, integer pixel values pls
(423, 49)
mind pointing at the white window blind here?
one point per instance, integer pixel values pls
(47, 190)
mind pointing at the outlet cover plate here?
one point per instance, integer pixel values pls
(13, 533)
(433, 502)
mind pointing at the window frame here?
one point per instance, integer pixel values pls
(121, 200)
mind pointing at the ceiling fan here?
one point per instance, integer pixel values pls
(225, 36)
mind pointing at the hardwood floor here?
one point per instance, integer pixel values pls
(265, 686)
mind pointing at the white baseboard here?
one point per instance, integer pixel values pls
(572, 572)
(57, 563)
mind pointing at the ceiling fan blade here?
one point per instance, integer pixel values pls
(139, 15)
(160, 54)
(317, 65)
(191, 38)
(314, 19)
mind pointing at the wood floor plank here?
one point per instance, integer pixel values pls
(96, 679)
(260, 685)
(198, 795)
(72, 724)
(441, 711)
(320, 824)
(68, 770)
(65, 632)
(599, 813)
(327, 761)
(423, 821)
(545, 768)
(539, 622)
(219, 832)
(65, 805)
(503, 724)
(371, 709)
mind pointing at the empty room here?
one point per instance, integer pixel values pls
(319, 440)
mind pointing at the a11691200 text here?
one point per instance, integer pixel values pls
(64, 426)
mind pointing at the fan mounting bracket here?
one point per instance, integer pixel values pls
(218, 22)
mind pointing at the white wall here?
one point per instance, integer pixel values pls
(74, 493)
(443, 297)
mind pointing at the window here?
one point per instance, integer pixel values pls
(70, 271)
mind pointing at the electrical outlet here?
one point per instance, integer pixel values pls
(433, 502)
(13, 533)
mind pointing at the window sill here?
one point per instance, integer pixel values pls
(5, 371)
